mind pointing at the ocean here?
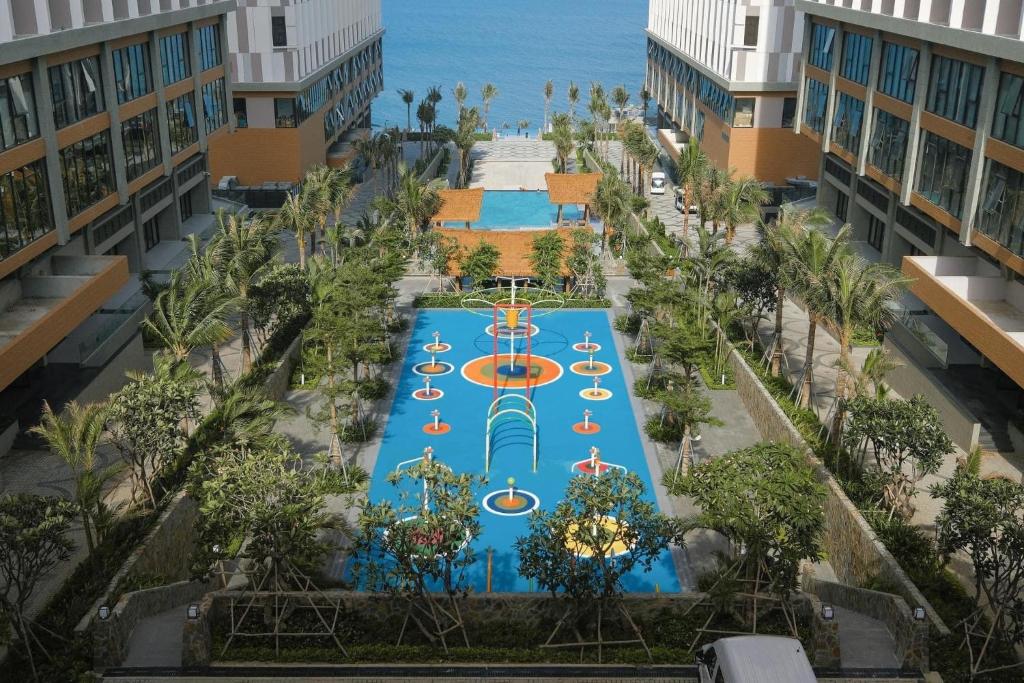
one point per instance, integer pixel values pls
(518, 45)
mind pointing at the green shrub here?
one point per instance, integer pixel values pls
(374, 388)
(360, 431)
(629, 323)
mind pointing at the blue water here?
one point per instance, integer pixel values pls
(464, 406)
(517, 45)
(515, 209)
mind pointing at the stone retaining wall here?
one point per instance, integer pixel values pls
(276, 384)
(854, 551)
(911, 636)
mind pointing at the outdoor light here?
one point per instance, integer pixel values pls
(919, 613)
(827, 613)
(193, 611)
(104, 613)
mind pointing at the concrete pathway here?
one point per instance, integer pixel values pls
(864, 643)
(515, 164)
(157, 640)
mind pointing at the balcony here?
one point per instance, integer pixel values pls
(39, 310)
(973, 298)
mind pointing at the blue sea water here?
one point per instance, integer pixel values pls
(504, 209)
(516, 44)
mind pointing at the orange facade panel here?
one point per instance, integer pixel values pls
(772, 154)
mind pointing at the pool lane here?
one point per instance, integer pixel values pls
(559, 403)
(505, 209)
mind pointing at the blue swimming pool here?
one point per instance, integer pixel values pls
(504, 209)
(463, 405)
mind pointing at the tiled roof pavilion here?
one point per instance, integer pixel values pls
(572, 188)
(460, 206)
(515, 247)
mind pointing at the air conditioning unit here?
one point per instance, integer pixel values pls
(228, 182)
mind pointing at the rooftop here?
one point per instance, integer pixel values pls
(460, 205)
(515, 247)
(571, 188)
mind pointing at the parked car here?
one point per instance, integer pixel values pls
(658, 183)
(679, 202)
(754, 659)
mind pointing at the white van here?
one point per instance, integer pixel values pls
(679, 203)
(657, 183)
(754, 659)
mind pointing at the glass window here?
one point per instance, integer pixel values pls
(954, 90)
(284, 112)
(815, 104)
(1009, 118)
(942, 173)
(181, 122)
(856, 57)
(842, 206)
(131, 72)
(76, 89)
(174, 58)
(750, 28)
(819, 52)
(898, 77)
(209, 47)
(25, 213)
(215, 108)
(698, 126)
(876, 232)
(1001, 210)
(788, 112)
(847, 123)
(241, 110)
(87, 172)
(278, 31)
(141, 138)
(18, 122)
(744, 116)
(888, 148)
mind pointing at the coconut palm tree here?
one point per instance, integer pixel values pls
(549, 92)
(73, 436)
(415, 202)
(202, 271)
(246, 249)
(408, 96)
(574, 98)
(460, 93)
(611, 201)
(425, 116)
(620, 96)
(692, 166)
(645, 97)
(189, 314)
(741, 203)
(299, 213)
(434, 98)
(563, 138)
(487, 94)
(464, 139)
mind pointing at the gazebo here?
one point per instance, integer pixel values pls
(459, 206)
(572, 188)
(515, 247)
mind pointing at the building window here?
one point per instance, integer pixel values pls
(151, 233)
(856, 58)
(284, 112)
(131, 72)
(141, 138)
(76, 89)
(876, 232)
(750, 27)
(847, 123)
(174, 58)
(209, 47)
(215, 108)
(87, 172)
(185, 205)
(888, 148)
(842, 206)
(819, 53)
(181, 122)
(278, 32)
(1001, 210)
(954, 90)
(698, 126)
(241, 110)
(788, 112)
(815, 105)
(18, 122)
(25, 214)
(943, 173)
(1009, 120)
(898, 76)
(744, 115)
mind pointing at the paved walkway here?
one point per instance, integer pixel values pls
(157, 640)
(514, 164)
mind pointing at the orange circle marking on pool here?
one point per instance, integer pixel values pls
(595, 394)
(579, 428)
(542, 371)
(583, 368)
(442, 428)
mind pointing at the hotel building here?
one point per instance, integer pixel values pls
(724, 74)
(303, 74)
(918, 110)
(107, 111)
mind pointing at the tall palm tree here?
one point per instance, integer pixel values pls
(741, 203)
(424, 113)
(299, 213)
(189, 314)
(487, 94)
(460, 93)
(202, 271)
(563, 139)
(620, 96)
(465, 138)
(73, 436)
(574, 97)
(427, 115)
(245, 250)
(434, 98)
(645, 97)
(813, 257)
(692, 166)
(611, 201)
(549, 92)
(408, 96)
(414, 201)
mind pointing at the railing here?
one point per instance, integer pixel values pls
(122, 324)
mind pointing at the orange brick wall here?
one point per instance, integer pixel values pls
(772, 154)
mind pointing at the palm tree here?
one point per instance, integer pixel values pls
(427, 115)
(465, 138)
(574, 97)
(203, 272)
(645, 97)
(563, 139)
(741, 203)
(521, 124)
(73, 436)
(692, 166)
(245, 250)
(424, 114)
(488, 93)
(414, 201)
(190, 314)
(297, 215)
(611, 201)
(620, 96)
(434, 98)
(549, 92)
(408, 96)
(460, 93)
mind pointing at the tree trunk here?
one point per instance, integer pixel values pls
(337, 459)
(841, 386)
(686, 209)
(300, 239)
(777, 340)
(87, 527)
(246, 344)
(805, 391)
(218, 372)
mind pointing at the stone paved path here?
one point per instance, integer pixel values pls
(864, 642)
(157, 640)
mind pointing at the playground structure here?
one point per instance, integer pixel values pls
(509, 408)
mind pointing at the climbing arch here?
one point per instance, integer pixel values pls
(505, 409)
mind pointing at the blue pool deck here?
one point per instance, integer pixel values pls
(559, 406)
(507, 209)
